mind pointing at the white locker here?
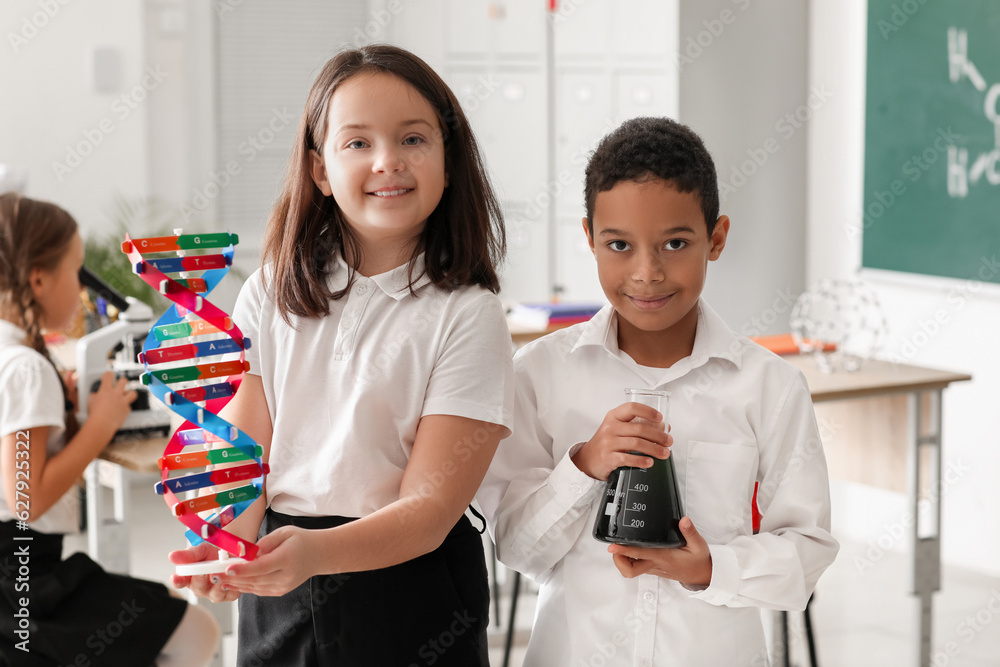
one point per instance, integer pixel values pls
(467, 29)
(523, 276)
(514, 29)
(576, 267)
(580, 29)
(518, 29)
(507, 108)
(645, 95)
(520, 147)
(644, 28)
(584, 113)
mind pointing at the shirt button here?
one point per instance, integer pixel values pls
(647, 596)
(348, 323)
(362, 289)
(575, 489)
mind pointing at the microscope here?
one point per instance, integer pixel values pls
(116, 348)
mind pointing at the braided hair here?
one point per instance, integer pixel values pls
(33, 235)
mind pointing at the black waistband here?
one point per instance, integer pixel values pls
(307, 522)
(274, 520)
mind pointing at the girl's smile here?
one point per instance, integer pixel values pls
(387, 193)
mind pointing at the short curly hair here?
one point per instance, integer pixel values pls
(647, 148)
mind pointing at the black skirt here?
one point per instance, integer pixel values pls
(72, 612)
(432, 610)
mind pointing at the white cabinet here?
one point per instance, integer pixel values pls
(643, 28)
(479, 29)
(580, 29)
(645, 94)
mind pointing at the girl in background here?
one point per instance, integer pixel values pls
(72, 605)
(379, 383)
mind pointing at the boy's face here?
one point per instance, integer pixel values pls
(652, 248)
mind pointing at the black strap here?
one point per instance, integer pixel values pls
(480, 517)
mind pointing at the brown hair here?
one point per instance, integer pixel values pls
(463, 239)
(33, 235)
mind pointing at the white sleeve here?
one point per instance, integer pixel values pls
(535, 507)
(473, 373)
(246, 316)
(779, 567)
(30, 395)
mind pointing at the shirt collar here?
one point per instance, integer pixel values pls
(10, 333)
(395, 282)
(712, 338)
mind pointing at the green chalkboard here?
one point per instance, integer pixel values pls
(932, 138)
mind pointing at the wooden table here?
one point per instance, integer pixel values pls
(869, 409)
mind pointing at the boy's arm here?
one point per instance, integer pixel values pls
(779, 567)
(535, 507)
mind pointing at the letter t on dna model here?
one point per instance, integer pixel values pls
(194, 358)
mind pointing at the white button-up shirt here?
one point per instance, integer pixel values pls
(738, 415)
(346, 391)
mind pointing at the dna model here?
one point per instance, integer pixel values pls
(194, 330)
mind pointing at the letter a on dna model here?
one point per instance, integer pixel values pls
(194, 358)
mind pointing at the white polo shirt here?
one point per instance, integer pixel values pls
(346, 392)
(31, 396)
(739, 415)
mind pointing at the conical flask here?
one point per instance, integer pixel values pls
(642, 506)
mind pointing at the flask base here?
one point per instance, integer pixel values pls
(631, 542)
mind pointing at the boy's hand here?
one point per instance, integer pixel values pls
(618, 436)
(690, 564)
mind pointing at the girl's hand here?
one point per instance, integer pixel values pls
(110, 404)
(618, 436)
(690, 564)
(286, 559)
(201, 585)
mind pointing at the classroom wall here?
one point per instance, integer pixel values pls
(743, 81)
(180, 36)
(52, 113)
(937, 322)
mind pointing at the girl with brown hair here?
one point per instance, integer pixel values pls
(379, 383)
(55, 611)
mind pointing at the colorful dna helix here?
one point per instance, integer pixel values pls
(195, 330)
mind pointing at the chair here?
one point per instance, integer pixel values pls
(783, 615)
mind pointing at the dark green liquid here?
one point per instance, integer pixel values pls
(641, 507)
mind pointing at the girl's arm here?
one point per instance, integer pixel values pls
(449, 460)
(46, 480)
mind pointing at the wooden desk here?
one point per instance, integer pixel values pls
(870, 409)
(522, 336)
(136, 455)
